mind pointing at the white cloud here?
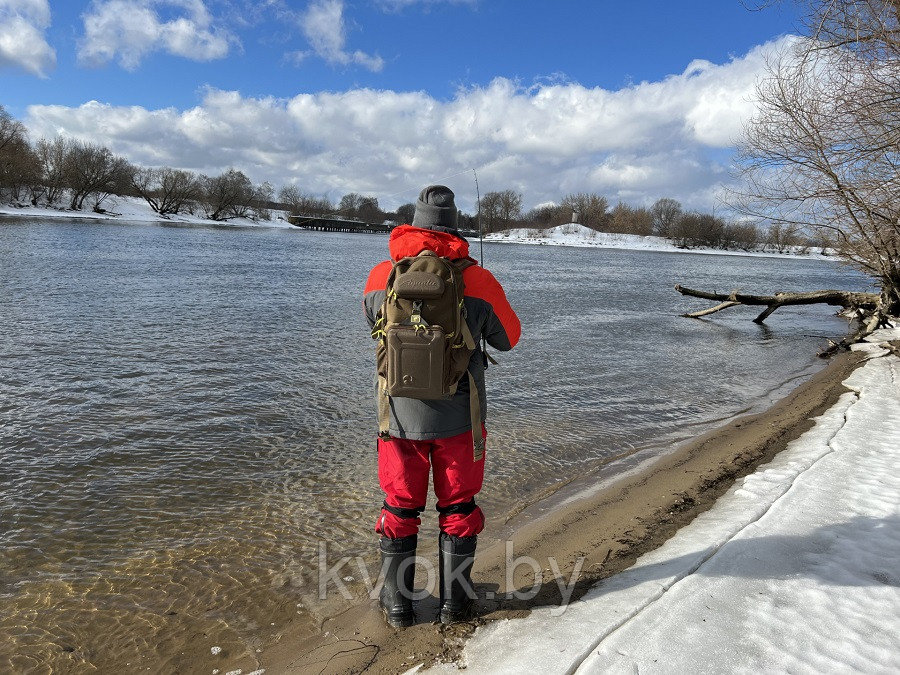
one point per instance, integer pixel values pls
(128, 30)
(638, 143)
(22, 41)
(323, 26)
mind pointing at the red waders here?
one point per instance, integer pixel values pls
(403, 468)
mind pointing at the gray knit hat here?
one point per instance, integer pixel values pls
(435, 210)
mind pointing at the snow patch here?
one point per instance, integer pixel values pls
(793, 570)
(574, 234)
(137, 210)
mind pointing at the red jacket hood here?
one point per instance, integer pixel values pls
(407, 241)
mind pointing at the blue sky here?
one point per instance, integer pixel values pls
(165, 68)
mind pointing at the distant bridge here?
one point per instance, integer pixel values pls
(337, 225)
(322, 224)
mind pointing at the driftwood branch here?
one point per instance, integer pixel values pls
(866, 328)
(867, 307)
(845, 299)
(724, 305)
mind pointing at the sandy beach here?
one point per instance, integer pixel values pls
(602, 525)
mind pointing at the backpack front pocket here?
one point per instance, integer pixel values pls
(415, 361)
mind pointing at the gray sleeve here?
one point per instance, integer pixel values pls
(495, 334)
(372, 304)
(484, 323)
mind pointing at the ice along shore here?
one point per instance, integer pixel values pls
(792, 570)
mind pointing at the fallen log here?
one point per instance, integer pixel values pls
(846, 299)
(865, 307)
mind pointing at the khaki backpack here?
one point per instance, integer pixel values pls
(424, 342)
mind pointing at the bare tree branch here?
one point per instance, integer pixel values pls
(823, 151)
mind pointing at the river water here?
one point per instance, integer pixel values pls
(185, 414)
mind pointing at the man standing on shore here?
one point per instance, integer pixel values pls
(443, 434)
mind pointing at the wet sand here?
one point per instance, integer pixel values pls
(606, 521)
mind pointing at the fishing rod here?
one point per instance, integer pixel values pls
(484, 353)
(478, 218)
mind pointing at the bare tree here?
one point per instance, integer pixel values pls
(510, 207)
(360, 207)
(591, 209)
(93, 171)
(549, 215)
(52, 158)
(466, 221)
(11, 130)
(665, 213)
(303, 204)
(693, 230)
(350, 204)
(32, 177)
(405, 213)
(19, 170)
(743, 236)
(369, 210)
(227, 195)
(166, 190)
(823, 151)
(291, 195)
(18, 164)
(263, 196)
(500, 209)
(627, 220)
(490, 212)
(783, 237)
(822, 242)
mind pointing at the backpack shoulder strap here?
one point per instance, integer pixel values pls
(474, 403)
(464, 263)
(475, 412)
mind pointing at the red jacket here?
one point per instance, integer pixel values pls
(488, 314)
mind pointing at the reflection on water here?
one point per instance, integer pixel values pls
(184, 414)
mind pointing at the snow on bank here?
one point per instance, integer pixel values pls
(574, 234)
(793, 570)
(135, 209)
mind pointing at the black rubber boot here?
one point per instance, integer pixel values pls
(398, 564)
(457, 555)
